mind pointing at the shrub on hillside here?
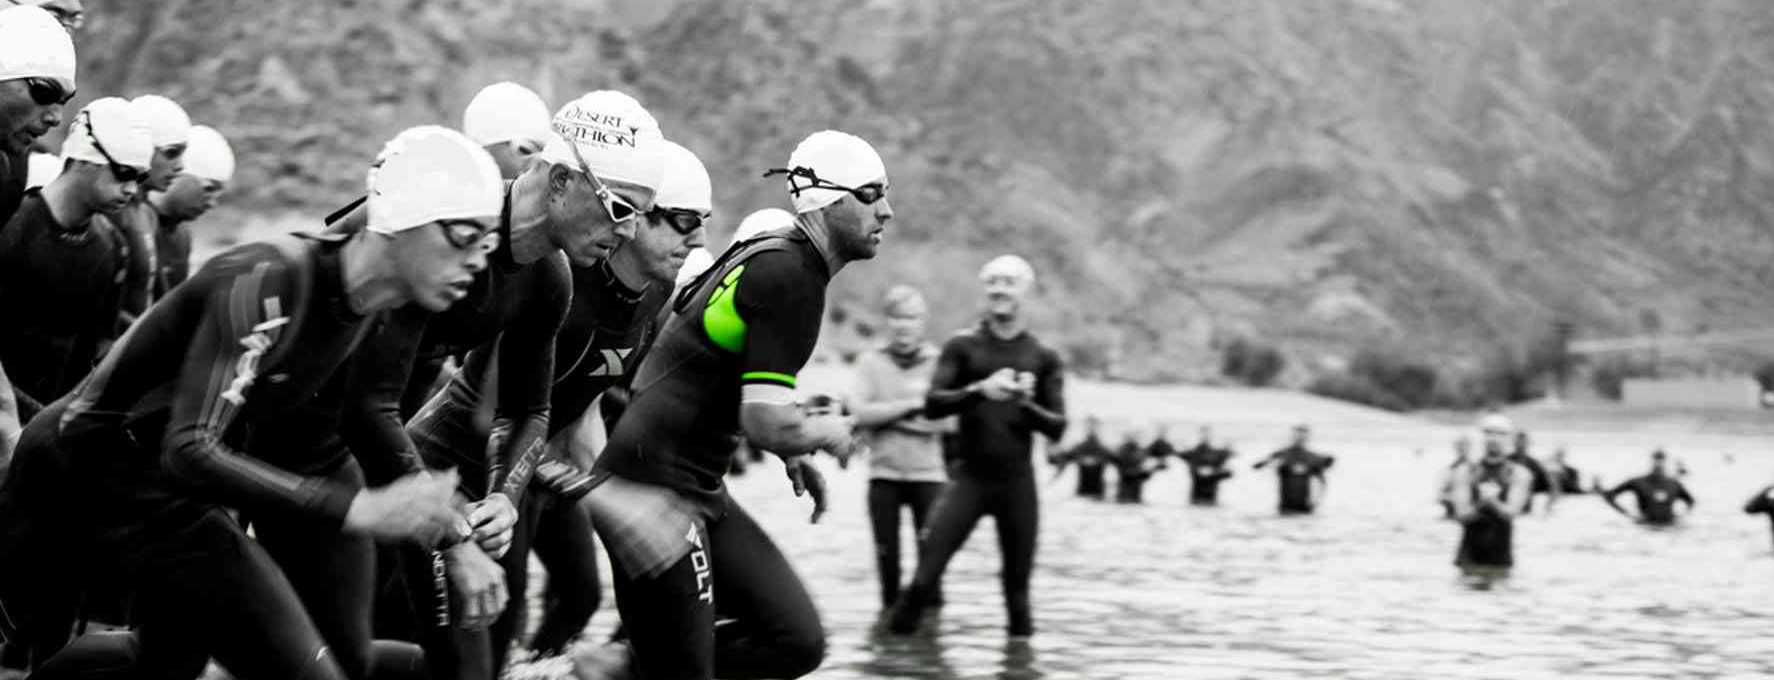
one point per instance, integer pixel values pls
(1357, 389)
(1608, 375)
(1411, 383)
(1251, 363)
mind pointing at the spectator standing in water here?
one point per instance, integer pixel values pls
(1132, 469)
(1300, 473)
(1487, 497)
(1207, 468)
(1091, 456)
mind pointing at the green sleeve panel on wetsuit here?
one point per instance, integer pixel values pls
(721, 320)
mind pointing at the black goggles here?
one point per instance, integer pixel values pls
(867, 194)
(467, 235)
(123, 173)
(48, 91)
(682, 221)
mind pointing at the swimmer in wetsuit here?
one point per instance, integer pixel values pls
(1300, 473)
(1091, 457)
(1657, 494)
(1487, 496)
(1207, 468)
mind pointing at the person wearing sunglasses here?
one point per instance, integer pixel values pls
(595, 180)
(138, 222)
(62, 265)
(209, 166)
(724, 366)
(225, 395)
(1006, 387)
(36, 80)
(614, 306)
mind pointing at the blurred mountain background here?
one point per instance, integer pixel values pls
(1256, 190)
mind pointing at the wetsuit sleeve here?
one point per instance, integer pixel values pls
(1047, 409)
(1758, 502)
(526, 380)
(138, 272)
(372, 424)
(241, 322)
(782, 311)
(1682, 494)
(949, 393)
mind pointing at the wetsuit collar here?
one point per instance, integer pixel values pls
(330, 280)
(985, 328)
(821, 238)
(616, 286)
(505, 257)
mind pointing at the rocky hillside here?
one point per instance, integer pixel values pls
(1437, 176)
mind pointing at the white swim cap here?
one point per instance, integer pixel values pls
(34, 45)
(615, 135)
(1496, 422)
(697, 262)
(166, 120)
(432, 173)
(685, 184)
(1011, 266)
(768, 219)
(832, 156)
(41, 169)
(208, 155)
(112, 120)
(904, 301)
(504, 112)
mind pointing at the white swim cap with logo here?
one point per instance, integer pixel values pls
(836, 157)
(768, 219)
(697, 262)
(208, 156)
(615, 135)
(504, 112)
(432, 173)
(1012, 267)
(34, 45)
(166, 120)
(112, 121)
(685, 184)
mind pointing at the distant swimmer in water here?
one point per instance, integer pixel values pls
(1762, 504)
(1566, 478)
(1488, 496)
(1297, 468)
(1207, 468)
(1657, 494)
(1091, 456)
(1523, 456)
(1462, 457)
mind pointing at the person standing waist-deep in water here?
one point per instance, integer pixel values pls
(906, 468)
(1657, 493)
(1448, 487)
(1007, 387)
(1301, 474)
(1487, 497)
(1091, 457)
(1762, 503)
(1132, 468)
(1207, 468)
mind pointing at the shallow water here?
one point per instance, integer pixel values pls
(1365, 589)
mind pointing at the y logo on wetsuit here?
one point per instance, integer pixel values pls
(705, 590)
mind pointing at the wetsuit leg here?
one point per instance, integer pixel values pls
(884, 501)
(565, 545)
(922, 496)
(670, 618)
(333, 572)
(1018, 515)
(393, 617)
(956, 513)
(516, 563)
(775, 630)
(451, 652)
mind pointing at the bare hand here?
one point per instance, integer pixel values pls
(807, 479)
(1000, 386)
(493, 519)
(478, 584)
(418, 508)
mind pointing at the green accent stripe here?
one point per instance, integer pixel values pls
(768, 376)
(720, 319)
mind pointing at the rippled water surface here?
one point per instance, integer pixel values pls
(1365, 589)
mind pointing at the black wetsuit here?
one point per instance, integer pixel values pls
(679, 547)
(14, 171)
(1207, 468)
(521, 306)
(1130, 473)
(228, 394)
(137, 223)
(1092, 458)
(598, 345)
(1295, 468)
(995, 475)
(1656, 495)
(1762, 503)
(1542, 481)
(1488, 538)
(60, 292)
(1569, 481)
